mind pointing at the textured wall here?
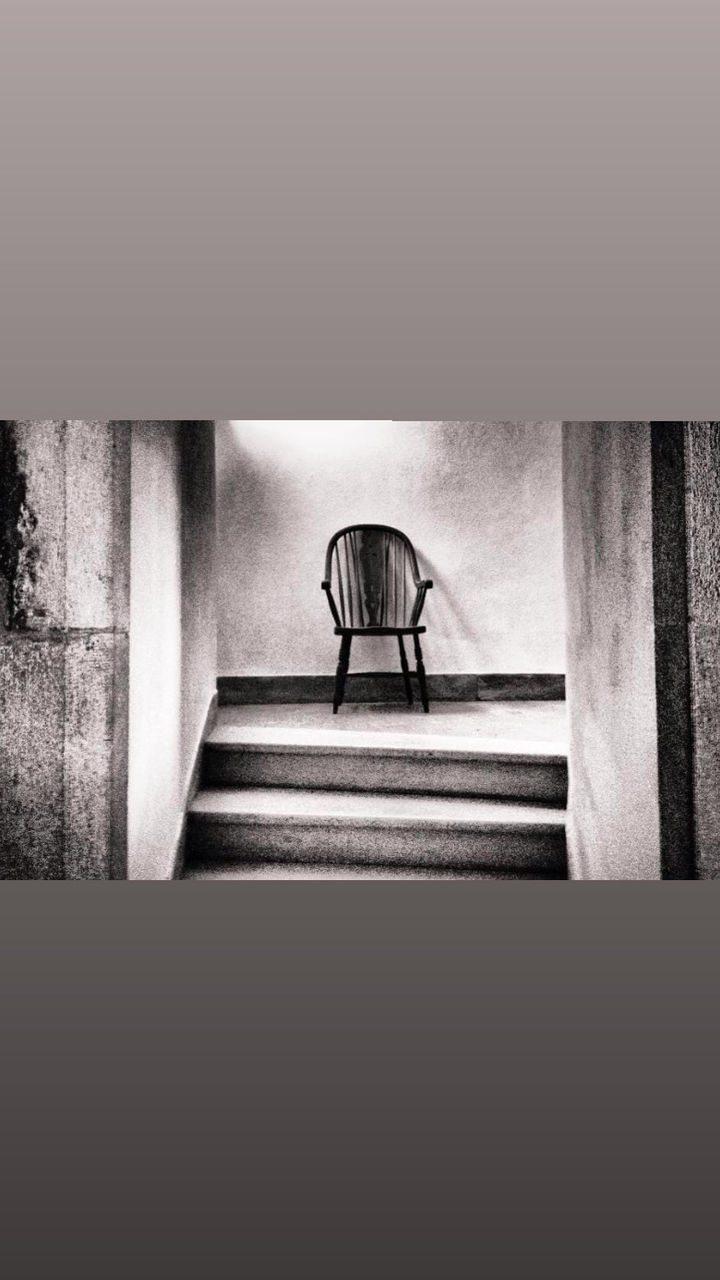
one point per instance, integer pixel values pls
(173, 631)
(481, 501)
(703, 484)
(672, 652)
(64, 552)
(614, 822)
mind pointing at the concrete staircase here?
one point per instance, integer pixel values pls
(292, 801)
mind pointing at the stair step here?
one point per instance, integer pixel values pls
(286, 757)
(223, 869)
(352, 827)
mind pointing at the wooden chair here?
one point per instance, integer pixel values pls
(379, 593)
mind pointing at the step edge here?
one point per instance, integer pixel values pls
(217, 869)
(470, 755)
(374, 822)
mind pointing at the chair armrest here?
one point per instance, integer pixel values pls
(422, 590)
(326, 586)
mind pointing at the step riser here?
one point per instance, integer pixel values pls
(545, 781)
(342, 842)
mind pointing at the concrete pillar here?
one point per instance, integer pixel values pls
(642, 564)
(64, 624)
(614, 818)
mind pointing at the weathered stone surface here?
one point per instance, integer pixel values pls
(121, 523)
(119, 848)
(32, 525)
(88, 498)
(31, 759)
(703, 515)
(703, 466)
(64, 566)
(12, 502)
(705, 660)
(88, 746)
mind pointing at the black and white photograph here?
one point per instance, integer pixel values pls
(354, 650)
(316, 716)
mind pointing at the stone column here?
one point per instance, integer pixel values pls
(64, 623)
(642, 559)
(702, 462)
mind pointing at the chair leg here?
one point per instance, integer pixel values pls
(342, 670)
(405, 671)
(421, 675)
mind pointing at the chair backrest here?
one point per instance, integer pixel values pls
(376, 573)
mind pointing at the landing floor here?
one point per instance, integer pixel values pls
(448, 724)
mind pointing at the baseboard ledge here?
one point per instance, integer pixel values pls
(271, 690)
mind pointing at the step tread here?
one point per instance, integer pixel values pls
(280, 804)
(233, 870)
(306, 741)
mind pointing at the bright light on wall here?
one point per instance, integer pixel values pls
(303, 436)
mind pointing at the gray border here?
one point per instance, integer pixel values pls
(380, 210)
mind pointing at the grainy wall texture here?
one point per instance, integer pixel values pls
(482, 501)
(614, 813)
(173, 635)
(672, 652)
(64, 623)
(703, 509)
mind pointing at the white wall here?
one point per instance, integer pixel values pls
(173, 631)
(482, 503)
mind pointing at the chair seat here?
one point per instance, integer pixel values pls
(380, 631)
